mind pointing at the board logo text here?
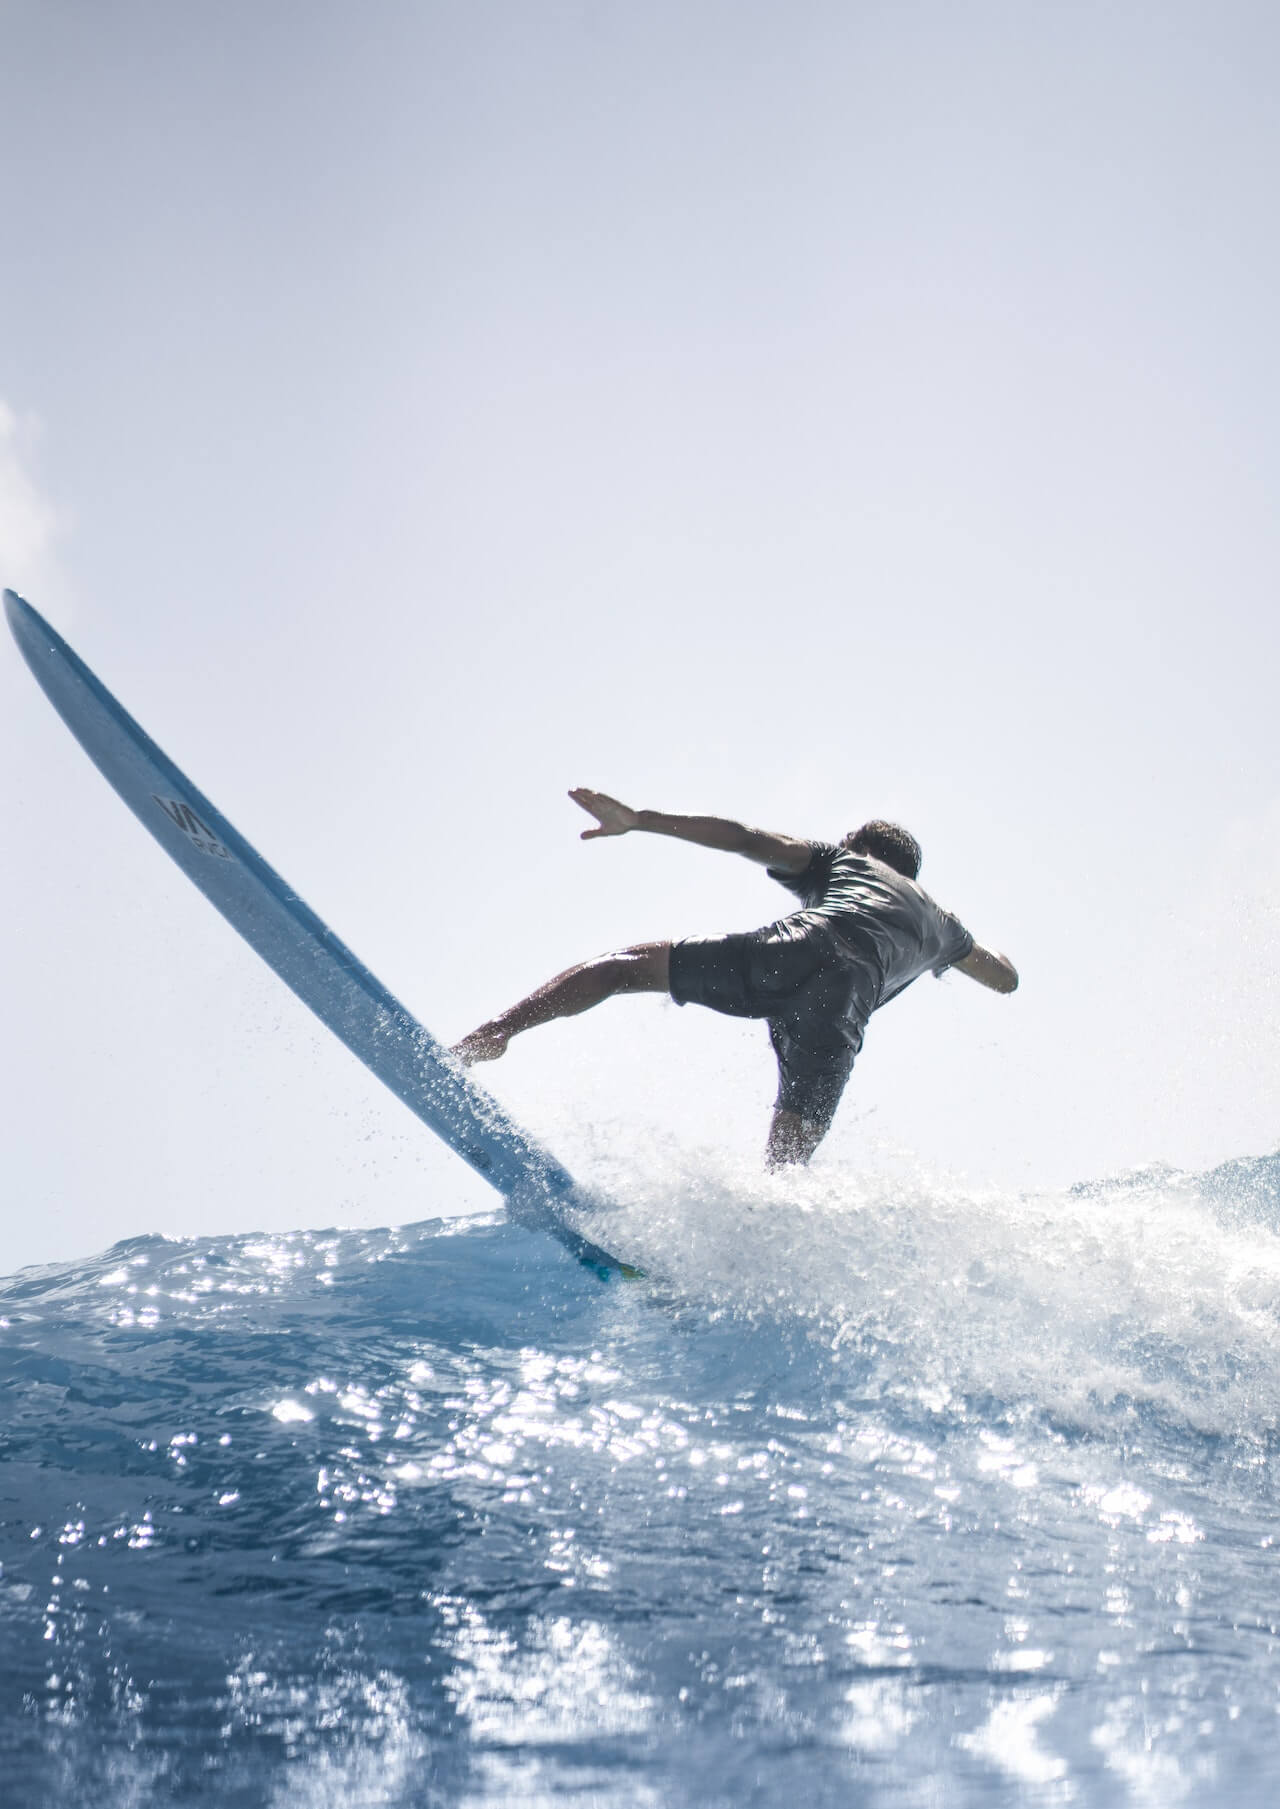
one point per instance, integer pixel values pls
(189, 823)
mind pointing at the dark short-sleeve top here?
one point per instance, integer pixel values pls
(887, 920)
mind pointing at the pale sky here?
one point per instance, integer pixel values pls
(799, 412)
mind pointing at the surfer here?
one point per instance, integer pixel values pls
(864, 932)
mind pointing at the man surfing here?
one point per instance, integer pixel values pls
(864, 932)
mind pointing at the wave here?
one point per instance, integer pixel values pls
(879, 1485)
(1155, 1288)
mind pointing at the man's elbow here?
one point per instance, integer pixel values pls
(1008, 980)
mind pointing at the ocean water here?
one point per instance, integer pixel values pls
(877, 1491)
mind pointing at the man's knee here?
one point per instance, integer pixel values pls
(792, 1139)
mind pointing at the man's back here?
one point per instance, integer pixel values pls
(889, 921)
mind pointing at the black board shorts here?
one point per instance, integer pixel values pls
(805, 982)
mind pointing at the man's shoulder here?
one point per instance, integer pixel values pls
(893, 888)
(813, 866)
(846, 863)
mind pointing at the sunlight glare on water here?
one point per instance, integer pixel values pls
(875, 1491)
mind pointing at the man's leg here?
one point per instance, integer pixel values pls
(645, 968)
(792, 1139)
(815, 1059)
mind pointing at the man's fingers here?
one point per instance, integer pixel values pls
(611, 816)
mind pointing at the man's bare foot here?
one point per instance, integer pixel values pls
(483, 1045)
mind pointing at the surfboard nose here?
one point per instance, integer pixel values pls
(302, 950)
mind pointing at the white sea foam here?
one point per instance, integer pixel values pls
(1141, 1291)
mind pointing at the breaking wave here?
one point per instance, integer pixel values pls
(877, 1490)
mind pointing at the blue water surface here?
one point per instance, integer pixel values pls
(883, 1492)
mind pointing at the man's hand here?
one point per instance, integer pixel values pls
(613, 818)
(784, 852)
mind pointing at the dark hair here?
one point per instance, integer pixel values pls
(890, 843)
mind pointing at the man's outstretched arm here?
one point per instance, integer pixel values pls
(988, 969)
(785, 852)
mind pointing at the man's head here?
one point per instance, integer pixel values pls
(887, 842)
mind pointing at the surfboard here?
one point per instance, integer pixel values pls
(305, 953)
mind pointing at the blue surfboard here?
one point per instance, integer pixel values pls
(304, 952)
